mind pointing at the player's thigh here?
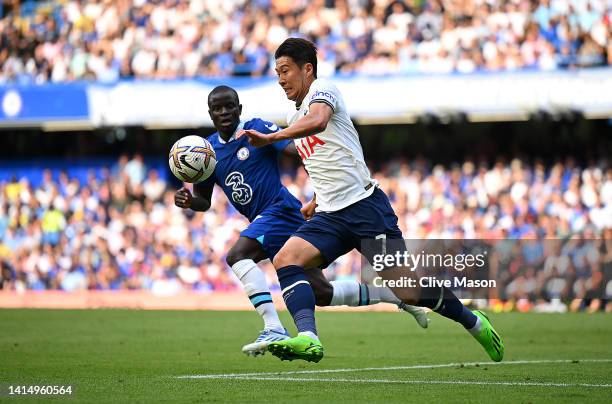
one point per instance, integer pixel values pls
(300, 252)
(271, 231)
(280, 231)
(324, 238)
(322, 288)
(245, 248)
(374, 216)
(376, 230)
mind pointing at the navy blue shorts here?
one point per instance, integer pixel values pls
(273, 228)
(336, 233)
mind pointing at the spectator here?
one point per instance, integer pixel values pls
(154, 187)
(124, 232)
(135, 170)
(106, 41)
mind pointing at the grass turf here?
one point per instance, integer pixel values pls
(126, 355)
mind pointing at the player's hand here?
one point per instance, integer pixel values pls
(256, 139)
(183, 198)
(308, 210)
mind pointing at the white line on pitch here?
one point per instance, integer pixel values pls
(462, 382)
(434, 366)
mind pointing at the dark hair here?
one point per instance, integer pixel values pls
(223, 89)
(301, 51)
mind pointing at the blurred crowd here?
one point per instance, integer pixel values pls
(104, 40)
(121, 230)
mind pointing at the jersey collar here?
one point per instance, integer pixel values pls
(239, 127)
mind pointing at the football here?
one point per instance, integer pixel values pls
(192, 159)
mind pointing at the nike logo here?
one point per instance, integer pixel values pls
(272, 127)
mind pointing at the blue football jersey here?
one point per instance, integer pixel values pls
(249, 175)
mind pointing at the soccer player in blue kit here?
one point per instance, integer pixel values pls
(350, 207)
(250, 179)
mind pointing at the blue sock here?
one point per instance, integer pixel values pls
(444, 302)
(299, 297)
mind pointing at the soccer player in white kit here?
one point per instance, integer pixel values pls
(349, 206)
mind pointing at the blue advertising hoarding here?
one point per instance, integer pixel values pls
(43, 103)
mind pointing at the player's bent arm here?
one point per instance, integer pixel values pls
(202, 195)
(314, 122)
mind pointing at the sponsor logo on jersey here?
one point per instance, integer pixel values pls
(243, 153)
(324, 95)
(242, 192)
(308, 145)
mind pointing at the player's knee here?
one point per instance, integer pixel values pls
(280, 260)
(288, 257)
(235, 255)
(285, 258)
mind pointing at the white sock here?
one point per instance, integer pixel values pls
(476, 329)
(345, 293)
(353, 293)
(254, 284)
(382, 294)
(309, 334)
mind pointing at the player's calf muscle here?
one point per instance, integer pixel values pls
(407, 295)
(323, 290)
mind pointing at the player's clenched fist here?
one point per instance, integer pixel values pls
(183, 198)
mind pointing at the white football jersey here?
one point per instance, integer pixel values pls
(333, 158)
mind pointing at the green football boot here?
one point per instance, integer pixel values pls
(489, 338)
(300, 347)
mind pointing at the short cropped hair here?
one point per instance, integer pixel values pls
(223, 89)
(301, 51)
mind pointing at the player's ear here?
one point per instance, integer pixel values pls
(240, 108)
(309, 69)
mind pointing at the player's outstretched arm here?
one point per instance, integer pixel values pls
(314, 122)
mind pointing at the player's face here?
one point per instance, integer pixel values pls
(224, 110)
(292, 78)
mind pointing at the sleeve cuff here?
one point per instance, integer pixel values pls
(323, 101)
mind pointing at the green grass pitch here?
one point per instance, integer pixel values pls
(126, 355)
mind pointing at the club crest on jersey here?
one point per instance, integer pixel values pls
(243, 153)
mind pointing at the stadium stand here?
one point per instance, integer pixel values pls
(108, 40)
(118, 229)
(72, 218)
